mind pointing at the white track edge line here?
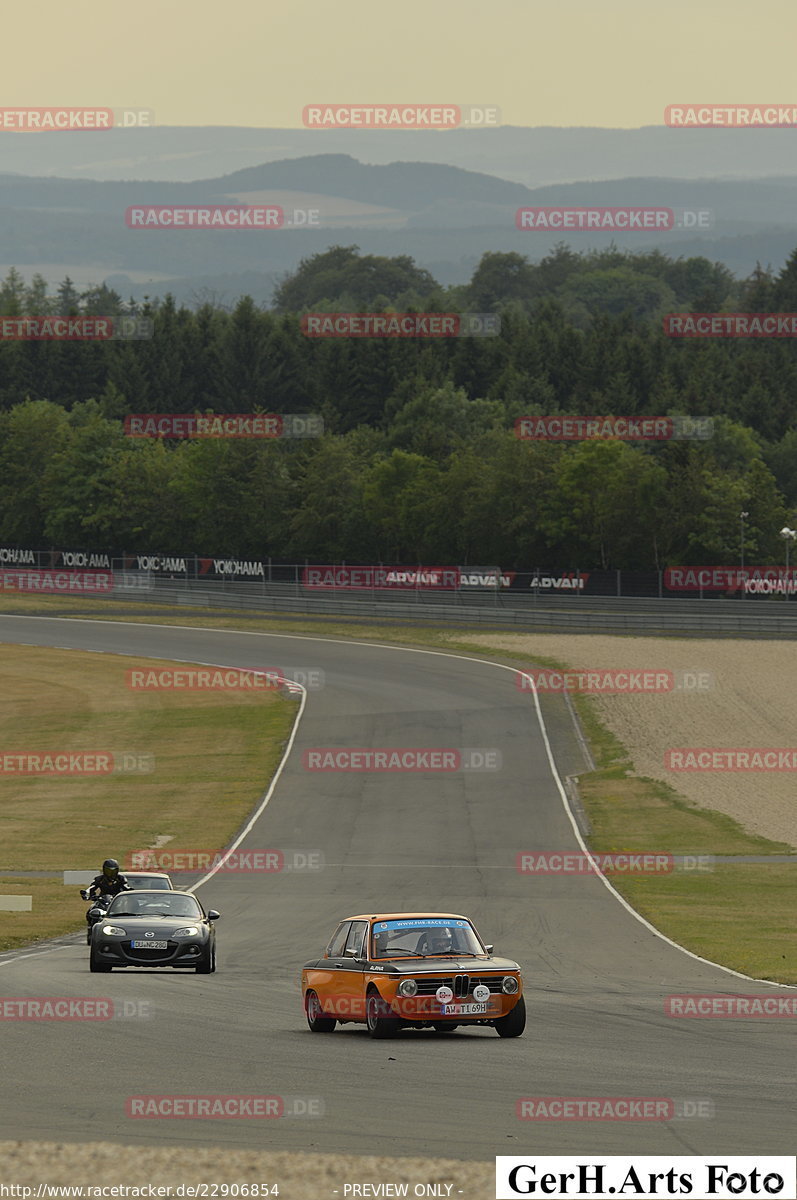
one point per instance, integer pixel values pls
(263, 803)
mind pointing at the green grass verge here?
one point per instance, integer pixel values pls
(212, 756)
(737, 914)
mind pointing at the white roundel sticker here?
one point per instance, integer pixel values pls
(481, 993)
(444, 994)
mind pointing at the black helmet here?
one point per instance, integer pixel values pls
(110, 868)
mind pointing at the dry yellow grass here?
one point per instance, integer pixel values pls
(298, 1176)
(751, 703)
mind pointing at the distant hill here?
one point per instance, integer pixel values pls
(444, 216)
(533, 156)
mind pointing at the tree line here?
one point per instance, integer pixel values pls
(418, 462)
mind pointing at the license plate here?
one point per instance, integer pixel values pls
(455, 1010)
(150, 945)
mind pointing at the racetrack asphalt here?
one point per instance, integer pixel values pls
(596, 977)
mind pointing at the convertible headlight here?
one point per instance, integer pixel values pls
(189, 931)
(408, 987)
(509, 985)
(113, 931)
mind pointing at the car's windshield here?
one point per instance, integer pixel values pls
(147, 881)
(141, 904)
(427, 936)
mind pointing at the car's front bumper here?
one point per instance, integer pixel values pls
(459, 1010)
(120, 953)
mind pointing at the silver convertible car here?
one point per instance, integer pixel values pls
(155, 929)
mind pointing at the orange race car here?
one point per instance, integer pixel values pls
(412, 969)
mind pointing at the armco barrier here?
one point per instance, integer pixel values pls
(456, 584)
(676, 617)
(585, 602)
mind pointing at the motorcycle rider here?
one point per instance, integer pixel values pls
(109, 883)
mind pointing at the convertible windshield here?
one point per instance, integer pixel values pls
(426, 936)
(165, 904)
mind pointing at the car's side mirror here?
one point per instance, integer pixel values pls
(213, 915)
(489, 949)
(350, 954)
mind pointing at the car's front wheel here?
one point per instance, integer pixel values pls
(315, 1015)
(207, 965)
(380, 1024)
(96, 965)
(513, 1024)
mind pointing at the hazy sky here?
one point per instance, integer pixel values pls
(258, 63)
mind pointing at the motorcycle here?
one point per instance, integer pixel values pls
(95, 912)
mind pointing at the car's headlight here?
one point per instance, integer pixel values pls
(510, 984)
(189, 931)
(408, 987)
(113, 931)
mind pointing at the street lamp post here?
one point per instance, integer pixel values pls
(788, 536)
(742, 516)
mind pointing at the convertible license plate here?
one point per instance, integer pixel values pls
(150, 945)
(455, 1010)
